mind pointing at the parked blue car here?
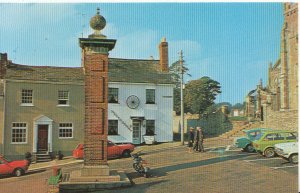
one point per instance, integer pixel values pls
(245, 141)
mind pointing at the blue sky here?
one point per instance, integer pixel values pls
(232, 43)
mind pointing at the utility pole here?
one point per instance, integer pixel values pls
(181, 98)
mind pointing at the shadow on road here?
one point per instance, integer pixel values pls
(162, 171)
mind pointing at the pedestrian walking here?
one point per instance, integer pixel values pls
(191, 139)
(196, 140)
(200, 142)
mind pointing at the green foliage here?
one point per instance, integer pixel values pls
(213, 124)
(176, 100)
(239, 118)
(200, 94)
(219, 105)
(238, 106)
(175, 70)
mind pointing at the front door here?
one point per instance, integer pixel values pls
(136, 131)
(42, 138)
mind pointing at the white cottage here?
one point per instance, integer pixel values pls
(140, 99)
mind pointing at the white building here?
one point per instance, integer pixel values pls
(140, 100)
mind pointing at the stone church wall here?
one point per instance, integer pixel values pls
(282, 119)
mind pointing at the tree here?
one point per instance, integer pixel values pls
(175, 70)
(200, 94)
(238, 106)
(176, 102)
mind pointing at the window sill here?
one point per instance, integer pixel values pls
(66, 138)
(26, 105)
(150, 103)
(114, 103)
(18, 143)
(63, 105)
(114, 135)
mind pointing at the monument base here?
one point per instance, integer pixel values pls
(88, 179)
(102, 170)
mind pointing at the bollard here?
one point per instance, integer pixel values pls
(55, 170)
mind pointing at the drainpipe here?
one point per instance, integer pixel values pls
(4, 116)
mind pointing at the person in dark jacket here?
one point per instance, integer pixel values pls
(191, 139)
(196, 141)
(200, 142)
(198, 146)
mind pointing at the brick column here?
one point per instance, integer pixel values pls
(95, 64)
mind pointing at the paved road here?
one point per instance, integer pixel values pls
(175, 170)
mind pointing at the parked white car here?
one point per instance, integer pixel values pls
(288, 151)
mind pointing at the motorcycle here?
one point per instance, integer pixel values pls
(139, 164)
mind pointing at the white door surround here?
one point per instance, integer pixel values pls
(42, 120)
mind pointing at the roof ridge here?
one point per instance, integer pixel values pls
(134, 59)
(24, 65)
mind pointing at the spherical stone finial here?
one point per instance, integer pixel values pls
(97, 22)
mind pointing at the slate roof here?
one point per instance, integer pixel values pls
(120, 70)
(44, 73)
(137, 71)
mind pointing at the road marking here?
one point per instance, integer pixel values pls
(234, 150)
(253, 160)
(284, 167)
(227, 148)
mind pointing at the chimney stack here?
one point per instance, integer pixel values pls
(163, 55)
(3, 64)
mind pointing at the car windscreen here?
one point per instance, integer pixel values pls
(258, 136)
(252, 134)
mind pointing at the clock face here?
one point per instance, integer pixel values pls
(133, 102)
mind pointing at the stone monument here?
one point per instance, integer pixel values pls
(95, 173)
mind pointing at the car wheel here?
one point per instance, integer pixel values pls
(269, 152)
(126, 153)
(293, 158)
(250, 148)
(18, 172)
(146, 174)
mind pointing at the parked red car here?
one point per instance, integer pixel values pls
(17, 168)
(122, 150)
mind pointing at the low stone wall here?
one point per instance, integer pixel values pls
(282, 119)
(177, 119)
(238, 125)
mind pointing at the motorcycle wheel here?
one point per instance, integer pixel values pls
(137, 167)
(146, 174)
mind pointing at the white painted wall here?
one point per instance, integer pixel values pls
(161, 112)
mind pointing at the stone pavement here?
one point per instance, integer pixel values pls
(144, 148)
(53, 163)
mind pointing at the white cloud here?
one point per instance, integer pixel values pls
(20, 16)
(139, 44)
(189, 48)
